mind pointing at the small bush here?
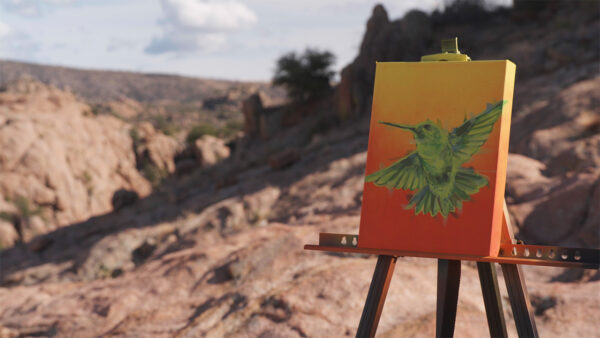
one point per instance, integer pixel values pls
(23, 215)
(87, 181)
(10, 218)
(152, 173)
(135, 136)
(96, 110)
(231, 128)
(199, 131)
(25, 209)
(165, 126)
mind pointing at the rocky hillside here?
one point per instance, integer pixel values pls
(218, 251)
(103, 86)
(171, 103)
(61, 164)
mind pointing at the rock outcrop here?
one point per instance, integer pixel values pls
(384, 40)
(252, 108)
(263, 117)
(59, 164)
(210, 150)
(552, 210)
(154, 148)
(564, 130)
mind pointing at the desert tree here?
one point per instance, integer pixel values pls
(305, 76)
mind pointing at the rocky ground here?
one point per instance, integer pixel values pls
(217, 250)
(194, 260)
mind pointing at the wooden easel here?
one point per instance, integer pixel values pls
(510, 256)
(447, 294)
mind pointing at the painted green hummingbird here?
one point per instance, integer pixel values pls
(435, 169)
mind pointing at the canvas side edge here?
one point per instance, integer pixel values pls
(501, 171)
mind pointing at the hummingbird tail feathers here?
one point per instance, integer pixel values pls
(467, 183)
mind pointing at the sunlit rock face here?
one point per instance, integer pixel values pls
(59, 163)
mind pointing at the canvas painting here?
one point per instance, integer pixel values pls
(436, 163)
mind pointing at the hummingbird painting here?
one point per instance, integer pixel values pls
(434, 169)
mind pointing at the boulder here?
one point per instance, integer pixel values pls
(123, 198)
(525, 179)
(564, 132)
(209, 150)
(156, 148)
(59, 161)
(8, 234)
(578, 155)
(589, 234)
(552, 217)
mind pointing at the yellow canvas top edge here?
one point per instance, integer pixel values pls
(426, 62)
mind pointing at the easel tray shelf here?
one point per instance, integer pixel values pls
(509, 253)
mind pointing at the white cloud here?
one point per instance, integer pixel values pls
(59, 2)
(31, 7)
(22, 7)
(4, 30)
(191, 25)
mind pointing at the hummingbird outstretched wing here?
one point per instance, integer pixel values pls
(406, 173)
(467, 138)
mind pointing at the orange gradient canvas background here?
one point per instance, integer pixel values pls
(409, 93)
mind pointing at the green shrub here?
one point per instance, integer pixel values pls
(165, 126)
(231, 128)
(135, 136)
(6, 216)
(305, 76)
(153, 174)
(96, 110)
(200, 130)
(87, 181)
(25, 209)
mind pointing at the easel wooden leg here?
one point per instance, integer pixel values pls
(519, 300)
(376, 296)
(491, 299)
(447, 296)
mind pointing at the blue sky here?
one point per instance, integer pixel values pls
(226, 39)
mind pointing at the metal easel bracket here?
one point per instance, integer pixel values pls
(509, 253)
(338, 240)
(587, 258)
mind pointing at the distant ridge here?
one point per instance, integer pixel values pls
(101, 85)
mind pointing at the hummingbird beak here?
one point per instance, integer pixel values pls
(401, 126)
